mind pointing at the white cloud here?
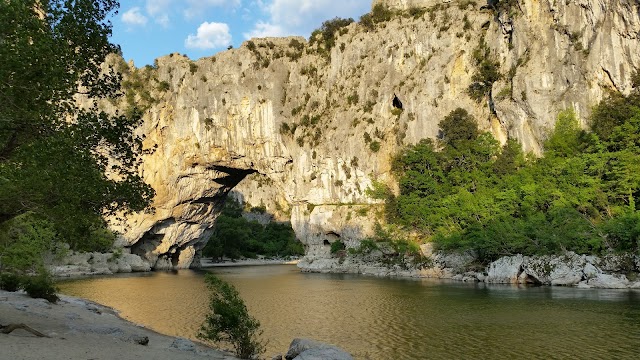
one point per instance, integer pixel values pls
(159, 10)
(134, 17)
(209, 36)
(262, 29)
(155, 7)
(300, 17)
(198, 7)
(163, 20)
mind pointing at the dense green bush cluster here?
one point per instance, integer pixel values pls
(504, 5)
(326, 34)
(395, 250)
(337, 246)
(467, 192)
(487, 72)
(10, 282)
(229, 321)
(40, 285)
(235, 237)
(378, 14)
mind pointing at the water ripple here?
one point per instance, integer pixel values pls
(381, 319)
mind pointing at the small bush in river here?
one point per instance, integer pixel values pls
(229, 320)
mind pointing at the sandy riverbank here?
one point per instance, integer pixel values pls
(81, 329)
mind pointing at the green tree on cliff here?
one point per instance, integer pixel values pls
(62, 167)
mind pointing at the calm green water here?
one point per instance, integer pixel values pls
(389, 319)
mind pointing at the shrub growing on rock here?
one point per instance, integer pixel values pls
(337, 246)
(229, 321)
(327, 32)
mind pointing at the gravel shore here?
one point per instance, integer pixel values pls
(81, 329)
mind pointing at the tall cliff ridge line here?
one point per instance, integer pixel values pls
(408, 4)
(305, 130)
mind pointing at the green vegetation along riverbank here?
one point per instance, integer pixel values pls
(466, 192)
(235, 237)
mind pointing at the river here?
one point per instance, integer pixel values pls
(383, 319)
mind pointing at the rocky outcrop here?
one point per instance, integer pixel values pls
(80, 264)
(306, 349)
(305, 130)
(408, 4)
(612, 271)
(505, 270)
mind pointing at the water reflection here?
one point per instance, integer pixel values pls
(389, 319)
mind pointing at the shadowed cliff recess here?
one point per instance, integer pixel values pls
(314, 124)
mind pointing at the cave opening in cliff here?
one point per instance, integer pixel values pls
(332, 236)
(326, 242)
(396, 102)
(175, 258)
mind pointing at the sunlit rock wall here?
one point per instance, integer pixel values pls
(294, 130)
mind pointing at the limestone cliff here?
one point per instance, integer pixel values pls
(305, 130)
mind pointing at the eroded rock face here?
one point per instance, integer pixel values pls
(408, 4)
(306, 134)
(506, 270)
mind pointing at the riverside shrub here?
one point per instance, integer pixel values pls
(10, 282)
(229, 320)
(473, 194)
(41, 286)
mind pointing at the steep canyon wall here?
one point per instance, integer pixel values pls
(305, 130)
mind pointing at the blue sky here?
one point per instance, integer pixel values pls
(147, 29)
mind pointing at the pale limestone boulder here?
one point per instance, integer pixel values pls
(609, 281)
(590, 271)
(77, 264)
(307, 349)
(313, 265)
(455, 261)
(564, 270)
(324, 353)
(583, 285)
(617, 262)
(505, 270)
(134, 262)
(78, 258)
(69, 270)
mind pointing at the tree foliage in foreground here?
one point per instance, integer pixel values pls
(62, 167)
(235, 237)
(229, 320)
(473, 194)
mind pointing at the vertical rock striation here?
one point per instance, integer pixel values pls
(309, 129)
